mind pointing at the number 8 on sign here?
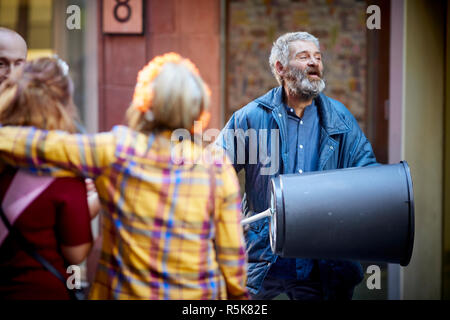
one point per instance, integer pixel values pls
(123, 17)
(122, 6)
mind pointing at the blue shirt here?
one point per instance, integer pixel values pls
(303, 151)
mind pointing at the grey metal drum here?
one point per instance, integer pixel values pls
(364, 214)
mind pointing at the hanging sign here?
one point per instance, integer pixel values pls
(123, 16)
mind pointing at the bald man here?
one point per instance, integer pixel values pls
(13, 52)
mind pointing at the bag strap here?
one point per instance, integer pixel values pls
(30, 250)
(22, 191)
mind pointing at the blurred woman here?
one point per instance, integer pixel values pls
(41, 216)
(172, 223)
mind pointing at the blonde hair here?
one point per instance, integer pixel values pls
(179, 97)
(40, 96)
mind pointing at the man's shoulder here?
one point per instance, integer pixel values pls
(337, 107)
(249, 108)
(260, 105)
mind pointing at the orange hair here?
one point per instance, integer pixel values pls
(162, 90)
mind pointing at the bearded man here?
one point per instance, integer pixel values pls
(314, 133)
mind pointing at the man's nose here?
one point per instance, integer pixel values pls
(313, 62)
(13, 67)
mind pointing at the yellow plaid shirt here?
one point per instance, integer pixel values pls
(161, 238)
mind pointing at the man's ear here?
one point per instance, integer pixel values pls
(279, 68)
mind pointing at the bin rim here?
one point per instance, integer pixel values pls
(410, 244)
(277, 239)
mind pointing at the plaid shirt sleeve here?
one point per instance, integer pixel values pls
(55, 152)
(229, 234)
(150, 210)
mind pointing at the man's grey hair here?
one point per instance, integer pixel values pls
(280, 49)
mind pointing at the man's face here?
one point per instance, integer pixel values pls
(13, 54)
(304, 71)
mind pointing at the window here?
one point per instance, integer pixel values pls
(42, 23)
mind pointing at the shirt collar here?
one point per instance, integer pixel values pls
(291, 111)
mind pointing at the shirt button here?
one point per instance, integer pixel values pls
(301, 121)
(301, 146)
(300, 171)
(280, 115)
(292, 110)
(331, 147)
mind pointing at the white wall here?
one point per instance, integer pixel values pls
(423, 142)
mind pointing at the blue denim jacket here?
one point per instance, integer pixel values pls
(342, 145)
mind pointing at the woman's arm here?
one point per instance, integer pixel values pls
(76, 254)
(73, 223)
(229, 233)
(55, 152)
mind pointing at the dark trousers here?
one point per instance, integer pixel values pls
(296, 290)
(280, 281)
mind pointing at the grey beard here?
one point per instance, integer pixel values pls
(300, 85)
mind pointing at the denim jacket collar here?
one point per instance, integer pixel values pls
(330, 120)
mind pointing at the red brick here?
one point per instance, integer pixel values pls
(161, 16)
(117, 100)
(189, 27)
(214, 107)
(199, 16)
(124, 56)
(159, 44)
(204, 51)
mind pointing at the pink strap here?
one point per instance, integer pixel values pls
(24, 188)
